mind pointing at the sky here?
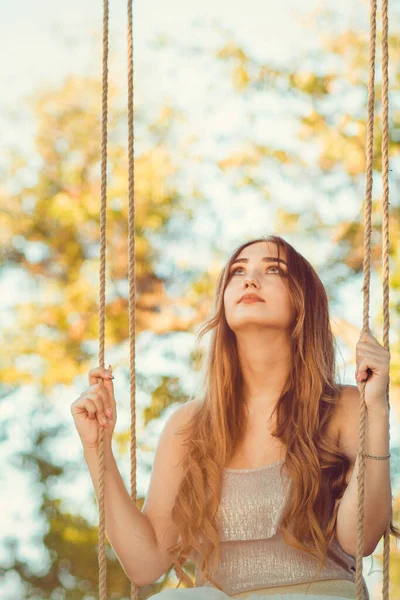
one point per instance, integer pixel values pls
(42, 42)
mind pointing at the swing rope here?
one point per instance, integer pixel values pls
(102, 299)
(367, 271)
(385, 246)
(132, 278)
(131, 263)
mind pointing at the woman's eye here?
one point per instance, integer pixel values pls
(269, 268)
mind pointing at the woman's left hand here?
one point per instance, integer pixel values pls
(373, 362)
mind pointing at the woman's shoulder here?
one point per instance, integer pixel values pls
(189, 408)
(184, 414)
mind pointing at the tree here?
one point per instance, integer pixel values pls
(50, 230)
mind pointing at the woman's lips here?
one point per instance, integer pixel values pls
(249, 300)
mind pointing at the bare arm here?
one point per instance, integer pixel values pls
(129, 531)
(140, 538)
(377, 478)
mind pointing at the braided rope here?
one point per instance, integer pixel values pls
(132, 291)
(385, 243)
(102, 307)
(131, 265)
(367, 272)
(366, 290)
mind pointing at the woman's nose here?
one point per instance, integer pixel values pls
(250, 280)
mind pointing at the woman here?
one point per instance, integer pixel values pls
(247, 481)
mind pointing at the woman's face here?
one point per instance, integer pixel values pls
(256, 270)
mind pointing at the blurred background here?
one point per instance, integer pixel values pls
(249, 120)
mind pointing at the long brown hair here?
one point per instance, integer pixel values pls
(314, 463)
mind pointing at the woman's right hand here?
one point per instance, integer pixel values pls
(95, 408)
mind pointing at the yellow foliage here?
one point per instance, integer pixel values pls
(241, 77)
(76, 536)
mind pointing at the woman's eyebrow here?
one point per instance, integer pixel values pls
(265, 259)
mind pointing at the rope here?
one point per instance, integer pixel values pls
(366, 286)
(385, 243)
(102, 308)
(131, 265)
(131, 275)
(367, 271)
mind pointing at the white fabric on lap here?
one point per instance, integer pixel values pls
(199, 593)
(203, 593)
